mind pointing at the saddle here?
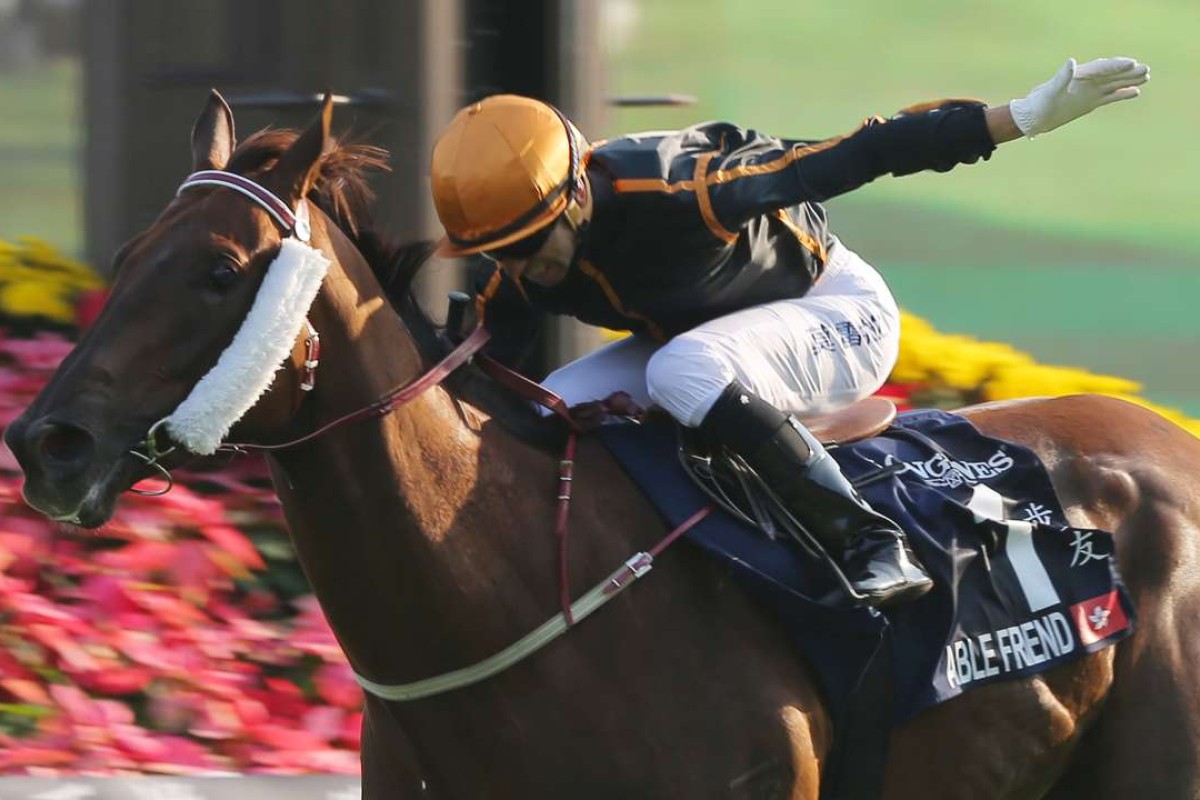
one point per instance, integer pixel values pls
(868, 417)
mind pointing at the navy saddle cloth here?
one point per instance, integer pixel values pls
(1017, 589)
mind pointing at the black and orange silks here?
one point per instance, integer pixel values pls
(693, 224)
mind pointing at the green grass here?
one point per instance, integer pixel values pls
(817, 68)
(1056, 307)
(41, 140)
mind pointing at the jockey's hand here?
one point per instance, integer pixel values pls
(1078, 90)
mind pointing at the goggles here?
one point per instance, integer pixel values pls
(522, 248)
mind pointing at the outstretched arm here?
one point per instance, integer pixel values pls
(760, 174)
(754, 180)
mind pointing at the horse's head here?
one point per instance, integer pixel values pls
(182, 291)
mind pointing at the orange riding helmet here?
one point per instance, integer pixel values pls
(504, 169)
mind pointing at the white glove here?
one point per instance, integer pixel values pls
(1075, 91)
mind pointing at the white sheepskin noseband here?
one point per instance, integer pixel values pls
(246, 369)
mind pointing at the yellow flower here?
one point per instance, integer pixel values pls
(38, 281)
(946, 363)
(33, 300)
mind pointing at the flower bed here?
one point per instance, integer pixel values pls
(182, 637)
(41, 289)
(949, 370)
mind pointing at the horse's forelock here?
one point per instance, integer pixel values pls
(342, 190)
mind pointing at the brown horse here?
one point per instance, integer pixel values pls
(428, 536)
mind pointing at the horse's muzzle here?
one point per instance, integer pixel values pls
(62, 450)
(62, 470)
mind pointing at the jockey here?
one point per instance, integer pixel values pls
(709, 245)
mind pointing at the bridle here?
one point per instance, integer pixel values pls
(572, 610)
(296, 224)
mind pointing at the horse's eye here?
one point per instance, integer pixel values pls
(223, 275)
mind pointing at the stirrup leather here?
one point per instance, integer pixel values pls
(734, 485)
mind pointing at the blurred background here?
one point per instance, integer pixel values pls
(184, 638)
(1079, 247)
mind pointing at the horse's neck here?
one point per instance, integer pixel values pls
(385, 513)
(367, 352)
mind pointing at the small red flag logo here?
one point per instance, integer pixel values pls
(1099, 618)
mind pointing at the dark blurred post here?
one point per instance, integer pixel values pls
(580, 66)
(149, 66)
(548, 49)
(405, 67)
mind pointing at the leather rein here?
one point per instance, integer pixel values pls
(297, 224)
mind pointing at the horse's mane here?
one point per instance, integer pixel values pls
(342, 191)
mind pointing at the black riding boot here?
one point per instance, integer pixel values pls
(872, 549)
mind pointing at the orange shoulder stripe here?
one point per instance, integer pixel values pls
(791, 156)
(705, 202)
(805, 238)
(697, 185)
(652, 185)
(481, 299)
(702, 180)
(725, 175)
(930, 105)
(609, 292)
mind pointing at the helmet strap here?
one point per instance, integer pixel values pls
(579, 206)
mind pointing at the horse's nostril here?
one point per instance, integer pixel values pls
(63, 445)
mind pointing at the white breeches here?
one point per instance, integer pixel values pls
(810, 355)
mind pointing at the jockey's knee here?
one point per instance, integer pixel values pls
(686, 376)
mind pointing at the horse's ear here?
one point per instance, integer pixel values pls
(297, 169)
(212, 135)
